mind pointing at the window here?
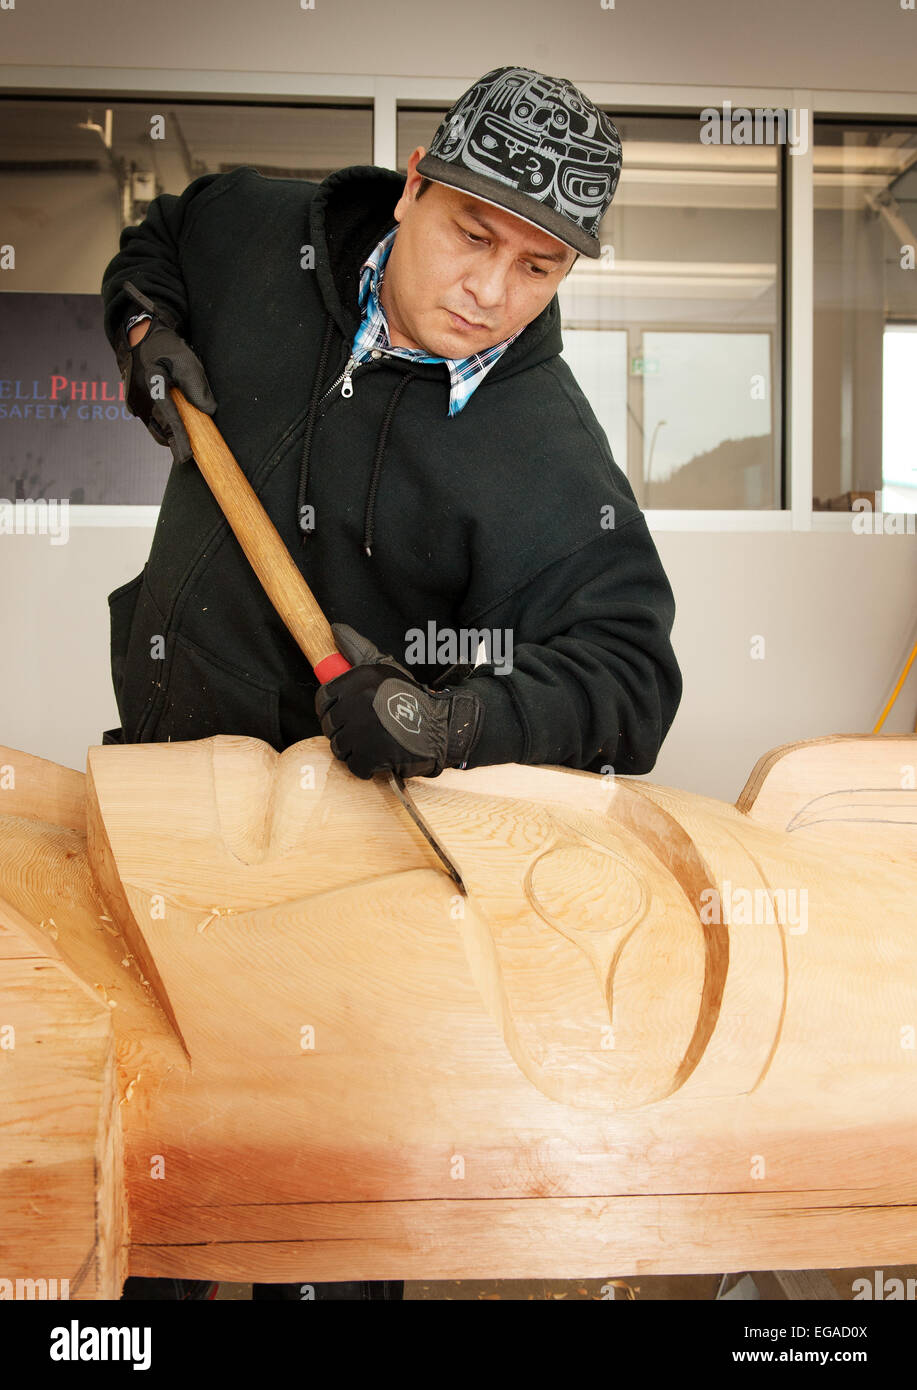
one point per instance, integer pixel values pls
(899, 419)
(865, 309)
(675, 332)
(72, 174)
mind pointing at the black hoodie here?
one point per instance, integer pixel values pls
(511, 515)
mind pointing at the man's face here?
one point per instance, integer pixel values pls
(462, 274)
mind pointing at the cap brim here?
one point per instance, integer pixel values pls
(510, 200)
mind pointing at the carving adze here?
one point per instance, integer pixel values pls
(280, 578)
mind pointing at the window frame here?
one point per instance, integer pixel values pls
(388, 93)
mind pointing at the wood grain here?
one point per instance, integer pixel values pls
(330, 1064)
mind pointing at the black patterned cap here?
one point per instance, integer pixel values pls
(535, 146)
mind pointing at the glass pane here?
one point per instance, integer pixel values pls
(707, 420)
(899, 420)
(72, 174)
(680, 319)
(416, 126)
(598, 360)
(865, 233)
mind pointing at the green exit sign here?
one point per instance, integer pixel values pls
(644, 366)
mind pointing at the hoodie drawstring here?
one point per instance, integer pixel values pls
(310, 426)
(377, 461)
(390, 409)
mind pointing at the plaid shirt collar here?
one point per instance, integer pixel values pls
(465, 373)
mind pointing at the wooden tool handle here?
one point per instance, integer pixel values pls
(258, 537)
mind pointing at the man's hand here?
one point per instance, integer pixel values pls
(155, 359)
(377, 717)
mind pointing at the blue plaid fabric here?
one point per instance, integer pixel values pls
(465, 373)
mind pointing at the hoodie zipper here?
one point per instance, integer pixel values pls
(345, 376)
(344, 380)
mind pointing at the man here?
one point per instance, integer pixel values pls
(384, 363)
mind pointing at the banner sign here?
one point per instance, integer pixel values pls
(65, 432)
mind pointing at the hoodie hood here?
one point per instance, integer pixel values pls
(351, 211)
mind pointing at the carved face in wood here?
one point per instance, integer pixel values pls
(581, 935)
(252, 972)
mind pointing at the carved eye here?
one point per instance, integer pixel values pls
(586, 890)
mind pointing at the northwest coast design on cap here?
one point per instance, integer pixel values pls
(538, 134)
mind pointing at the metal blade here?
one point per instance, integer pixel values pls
(401, 792)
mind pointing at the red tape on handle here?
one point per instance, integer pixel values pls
(331, 666)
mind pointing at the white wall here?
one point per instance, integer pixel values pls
(834, 610)
(820, 43)
(837, 610)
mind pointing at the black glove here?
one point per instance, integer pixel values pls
(159, 360)
(378, 717)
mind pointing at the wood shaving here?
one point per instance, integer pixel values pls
(216, 912)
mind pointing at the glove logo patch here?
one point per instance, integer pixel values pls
(404, 709)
